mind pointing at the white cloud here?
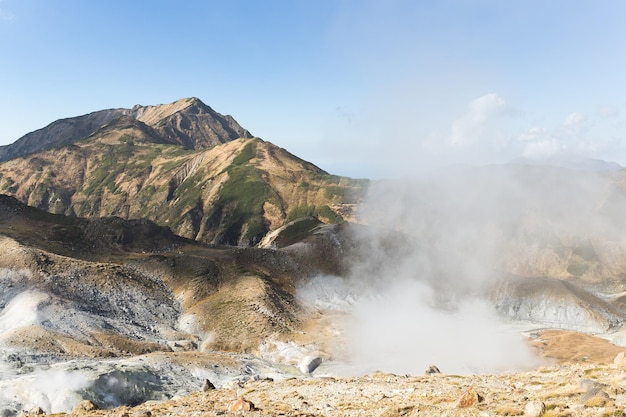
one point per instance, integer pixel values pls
(4, 15)
(574, 124)
(542, 149)
(534, 134)
(574, 119)
(468, 129)
(570, 137)
(608, 112)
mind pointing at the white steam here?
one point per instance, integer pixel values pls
(433, 249)
(54, 390)
(401, 330)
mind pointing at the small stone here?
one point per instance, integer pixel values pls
(534, 409)
(85, 405)
(142, 413)
(432, 369)
(241, 405)
(469, 399)
(37, 411)
(207, 386)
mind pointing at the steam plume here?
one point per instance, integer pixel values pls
(433, 248)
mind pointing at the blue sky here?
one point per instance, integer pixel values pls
(365, 88)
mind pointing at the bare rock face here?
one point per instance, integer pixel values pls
(191, 123)
(555, 304)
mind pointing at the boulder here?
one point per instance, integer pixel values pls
(534, 409)
(84, 405)
(595, 397)
(432, 369)
(620, 361)
(241, 405)
(469, 399)
(207, 386)
(182, 345)
(309, 363)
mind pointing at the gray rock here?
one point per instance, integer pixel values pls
(595, 392)
(309, 364)
(589, 384)
(534, 409)
(432, 369)
(207, 385)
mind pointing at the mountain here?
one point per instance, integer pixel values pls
(571, 162)
(187, 122)
(180, 165)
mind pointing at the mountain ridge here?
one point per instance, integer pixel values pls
(172, 121)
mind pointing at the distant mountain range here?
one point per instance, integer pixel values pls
(578, 163)
(181, 165)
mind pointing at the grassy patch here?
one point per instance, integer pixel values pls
(247, 153)
(324, 213)
(585, 250)
(300, 211)
(328, 215)
(297, 231)
(6, 184)
(577, 269)
(245, 192)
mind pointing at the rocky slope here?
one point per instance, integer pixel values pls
(80, 298)
(181, 165)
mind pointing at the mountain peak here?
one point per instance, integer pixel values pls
(190, 123)
(187, 122)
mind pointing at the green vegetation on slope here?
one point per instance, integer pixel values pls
(324, 213)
